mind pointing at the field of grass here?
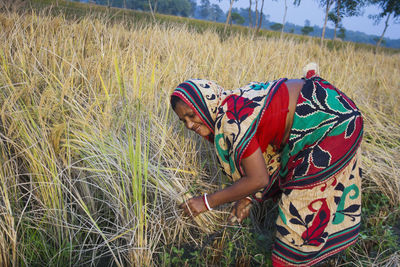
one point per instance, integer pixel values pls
(94, 163)
(75, 10)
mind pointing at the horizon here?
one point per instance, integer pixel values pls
(361, 23)
(356, 24)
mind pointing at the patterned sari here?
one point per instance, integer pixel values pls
(320, 178)
(232, 116)
(317, 172)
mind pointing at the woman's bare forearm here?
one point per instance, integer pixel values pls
(255, 179)
(240, 189)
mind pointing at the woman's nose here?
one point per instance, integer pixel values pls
(189, 125)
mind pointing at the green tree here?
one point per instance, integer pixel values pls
(205, 8)
(345, 8)
(276, 26)
(216, 12)
(295, 3)
(376, 39)
(323, 3)
(193, 3)
(258, 19)
(306, 30)
(210, 11)
(236, 18)
(389, 8)
(342, 33)
(327, 4)
(335, 20)
(175, 7)
(250, 19)
(228, 17)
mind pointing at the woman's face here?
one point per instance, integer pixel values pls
(190, 119)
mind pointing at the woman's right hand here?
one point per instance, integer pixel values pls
(193, 206)
(240, 211)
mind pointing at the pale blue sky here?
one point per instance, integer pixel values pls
(309, 9)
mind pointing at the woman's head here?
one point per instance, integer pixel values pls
(191, 120)
(196, 104)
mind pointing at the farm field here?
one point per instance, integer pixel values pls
(94, 163)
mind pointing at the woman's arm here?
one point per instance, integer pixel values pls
(255, 179)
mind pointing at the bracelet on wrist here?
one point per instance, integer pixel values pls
(249, 198)
(206, 202)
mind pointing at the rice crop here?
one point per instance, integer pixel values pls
(94, 163)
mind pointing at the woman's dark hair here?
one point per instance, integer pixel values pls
(174, 100)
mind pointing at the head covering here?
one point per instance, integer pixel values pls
(232, 116)
(204, 97)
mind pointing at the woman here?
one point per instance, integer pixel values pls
(298, 140)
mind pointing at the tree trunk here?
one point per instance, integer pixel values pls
(328, 5)
(250, 20)
(229, 16)
(155, 6)
(261, 16)
(284, 18)
(255, 26)
(338, 18)
(152, 11)
(384, 30)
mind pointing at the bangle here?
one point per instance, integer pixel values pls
(249, 198)
(206, 202)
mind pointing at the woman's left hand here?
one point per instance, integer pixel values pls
(193, 206)
(240, 211)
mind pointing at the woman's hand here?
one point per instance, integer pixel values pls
(255, 179)
(193, 206)
(240, 211)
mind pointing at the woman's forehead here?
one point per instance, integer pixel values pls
(183, 109)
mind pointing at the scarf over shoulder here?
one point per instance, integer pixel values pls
(232, 116)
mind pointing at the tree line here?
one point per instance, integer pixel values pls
(254, 17)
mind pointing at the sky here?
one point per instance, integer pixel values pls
(309, 9)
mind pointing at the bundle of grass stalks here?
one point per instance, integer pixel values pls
(93, 162)
(91, 168)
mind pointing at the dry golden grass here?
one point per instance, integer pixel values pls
(92, 158)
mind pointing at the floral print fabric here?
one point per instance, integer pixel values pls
(320, 177)
(237, 120)
(231, 115)
(315, 223)
(317, 171)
